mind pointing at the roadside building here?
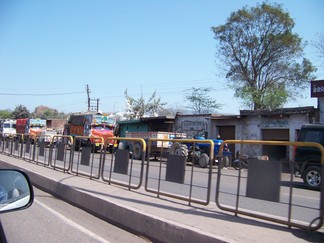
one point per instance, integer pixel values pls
(270, 125)
(56, 124)
(275, 125)
(317, 91)
(211, 126)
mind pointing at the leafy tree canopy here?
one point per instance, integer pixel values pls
(137, 108)
(200, 101)
(45, 112)
(262, 57)
(5, 114)
(20, 112)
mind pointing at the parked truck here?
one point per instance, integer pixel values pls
(8, 127)
(48, 136)
(156, 147)
(97, 128)
(147, 127)
(30, 126)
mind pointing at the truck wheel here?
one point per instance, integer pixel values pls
(203, 160)
(179, 149)
(312, 176)
(137, 151)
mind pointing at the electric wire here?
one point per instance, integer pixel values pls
(29, 94)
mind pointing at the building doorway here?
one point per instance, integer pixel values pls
(276, 152)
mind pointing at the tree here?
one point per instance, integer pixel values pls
(5, 114)
(200, 101)
(137, 108)
(45, 112)
(262, 57)
(175, 109)
(20, 112)
(319, 45)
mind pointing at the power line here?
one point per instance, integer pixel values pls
(25, 94)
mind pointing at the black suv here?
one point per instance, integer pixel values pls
(308, 159)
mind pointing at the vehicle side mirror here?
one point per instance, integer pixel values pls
(16, 190)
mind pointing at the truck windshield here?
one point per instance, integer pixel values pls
(102, 127)
(36, 126)
(8, 125)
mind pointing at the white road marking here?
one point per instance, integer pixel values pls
(71, 223)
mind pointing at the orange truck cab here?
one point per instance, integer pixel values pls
(97, 127)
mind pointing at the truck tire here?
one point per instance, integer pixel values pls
(137, 151)
(312, 176)
(179, 149)
(203, 160)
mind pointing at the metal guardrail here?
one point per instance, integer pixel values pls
(120, 168)
(5, 143)
(60, 156)
(174, 176)
(173, 170)
(264, 192)
(85, 157)
(29, 149)
(18, 145)
(43, 150)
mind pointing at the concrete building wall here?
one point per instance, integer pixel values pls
(256, 126)
(217, 123)
(192, 124)
(321, 107)
(282, 125)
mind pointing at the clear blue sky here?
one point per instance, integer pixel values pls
(50, 50)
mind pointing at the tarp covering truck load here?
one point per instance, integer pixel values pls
(93, 126)
(30, 126)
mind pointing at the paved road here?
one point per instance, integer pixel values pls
(52, 220)
(306, 201)
(160, 218)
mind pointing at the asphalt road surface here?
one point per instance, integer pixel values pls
(52, 220)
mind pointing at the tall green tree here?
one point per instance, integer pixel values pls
(137, 108)
(20, 111)
(200, 101)
(262, 57)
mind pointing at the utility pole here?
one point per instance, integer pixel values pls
(88, 94)
(92, 107)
